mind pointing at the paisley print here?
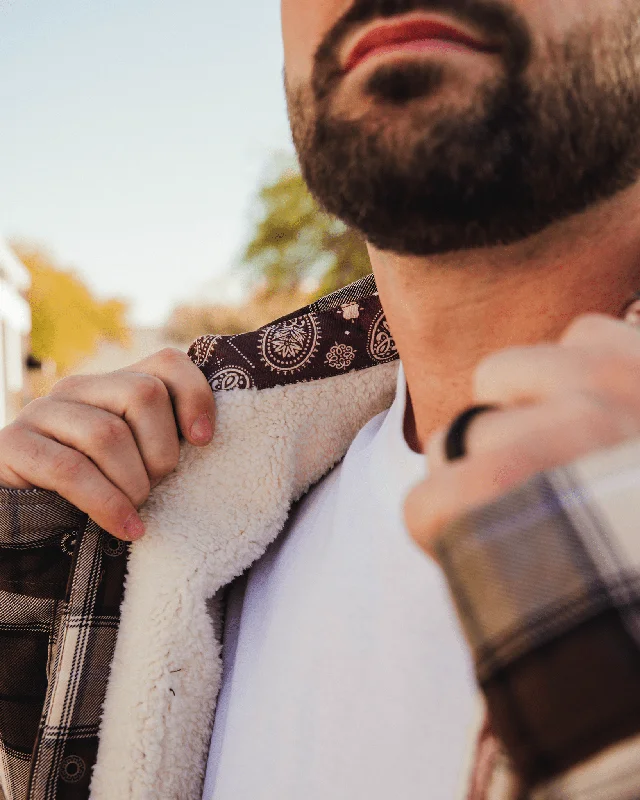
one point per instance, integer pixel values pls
(203, 349)
(230, 378)
(290, 345)
(381, 345)
(335, 335)
(340, 356)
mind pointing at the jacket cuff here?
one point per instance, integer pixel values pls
(546, 581)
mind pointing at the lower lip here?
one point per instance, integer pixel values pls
(421, 46)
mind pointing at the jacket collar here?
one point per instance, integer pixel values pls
(291, 398)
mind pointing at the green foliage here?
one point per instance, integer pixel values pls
(297, 254)
(297, 244)
(68, 321)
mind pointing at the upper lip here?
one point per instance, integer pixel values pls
(410, 30)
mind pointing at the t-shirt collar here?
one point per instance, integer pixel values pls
(396, 468)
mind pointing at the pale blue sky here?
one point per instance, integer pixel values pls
(134, 135)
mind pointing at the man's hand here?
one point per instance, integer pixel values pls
(104, 441)
(557, 403)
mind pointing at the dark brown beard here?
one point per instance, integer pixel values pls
(529, 151)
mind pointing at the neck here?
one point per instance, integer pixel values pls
(448, 312)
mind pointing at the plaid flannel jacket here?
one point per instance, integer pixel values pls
(546, 582)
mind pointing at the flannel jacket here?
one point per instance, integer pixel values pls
(110, 653)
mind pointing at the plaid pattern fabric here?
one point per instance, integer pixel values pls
(61, 582)
(547, 584)
(62, 577)
(545, 581)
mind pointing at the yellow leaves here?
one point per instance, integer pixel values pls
(68, 321)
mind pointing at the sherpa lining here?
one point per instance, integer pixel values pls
(206, 524)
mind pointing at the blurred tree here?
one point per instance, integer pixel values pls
(187, 322)
(297, 253)
(68, 321)
(296, 244)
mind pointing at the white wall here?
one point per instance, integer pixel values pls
(15, 325)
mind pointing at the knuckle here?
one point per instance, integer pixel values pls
(149, 390)
(140, 492)
(588, 415)
(592, 374)
(493, 365)
(171, 357)
(114, 505)
(34, 448)
(585, 327)
(69, 385)
(35, 408)
(109, 432)
(68, 466)
(15, 445)
(12, 435)
(171, 360)
(612, 374)
(166, 461)
(489, 363)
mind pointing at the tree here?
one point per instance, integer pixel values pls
(296, 243)
(297, 253)
(67, 320)
(187, 322)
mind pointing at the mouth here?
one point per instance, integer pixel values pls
(417, 35)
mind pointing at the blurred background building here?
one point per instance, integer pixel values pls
(15, 329)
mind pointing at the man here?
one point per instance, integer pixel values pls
(487, 150)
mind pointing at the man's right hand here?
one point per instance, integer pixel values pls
(104, 441)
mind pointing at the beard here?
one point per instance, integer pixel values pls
(547, 138)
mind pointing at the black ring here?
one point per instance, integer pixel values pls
(454, 444)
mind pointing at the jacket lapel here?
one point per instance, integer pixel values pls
(279, 429)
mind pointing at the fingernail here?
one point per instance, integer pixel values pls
(202, 430)
(134, 527)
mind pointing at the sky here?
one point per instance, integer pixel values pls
(135, 135)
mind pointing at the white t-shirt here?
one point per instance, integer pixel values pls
(346, 676)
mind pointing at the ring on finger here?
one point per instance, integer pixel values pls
(455, 442)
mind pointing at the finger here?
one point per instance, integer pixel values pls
(614, 353)
(438, 446)
(598, 330)
(565, 423)
(529, 374)
(533, 374)
(595, 351)
(506, 450)
(435, 450)
(45, 463)
(189, 390)
(458, 488)
(143, 402)
(101, 436)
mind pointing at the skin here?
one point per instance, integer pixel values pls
(103, 442)
(534, 328)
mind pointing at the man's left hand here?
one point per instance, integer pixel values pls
(557, 402)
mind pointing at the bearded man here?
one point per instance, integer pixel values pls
(276, 633)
